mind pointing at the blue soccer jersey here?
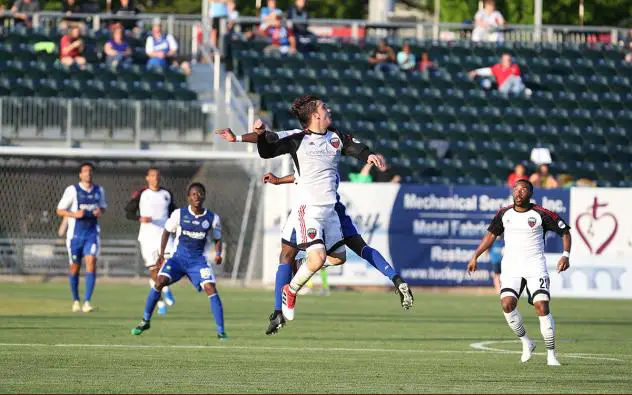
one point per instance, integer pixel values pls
(82, 236)
(193, 233)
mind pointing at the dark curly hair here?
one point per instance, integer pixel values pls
(303, 107)
(196, 185)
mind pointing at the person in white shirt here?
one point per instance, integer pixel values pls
(523, 265)
(487, 23)
(152, 206)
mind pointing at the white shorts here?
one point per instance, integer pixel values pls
(150, 251)
(537, 287)
(310, 227)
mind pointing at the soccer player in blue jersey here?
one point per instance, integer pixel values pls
(83, 203)
(194, 227)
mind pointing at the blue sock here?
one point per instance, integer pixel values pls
(74, 286)
(377, 261)
(91, 280)
(150, 304)
(166, 291)
(218, 312)
(283, 276)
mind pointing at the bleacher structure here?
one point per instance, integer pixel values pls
(579, 108)
(44, 100)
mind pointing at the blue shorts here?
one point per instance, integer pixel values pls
(197, 270)
(348, 228)
(80, 247)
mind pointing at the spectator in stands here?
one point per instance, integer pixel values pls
(128, 10)
(519, 173)
(542, 178)
(268, 14)
(21, 9)
(425, 63)
(405, 58)
(72, 48)
(487, 23)
(117, 50)
(387, 174)
(69, 7)
(218, 11)
(507, 76)
(281, 37)
(364, 176)
(383, 57)
(162, 50)
(297, 15)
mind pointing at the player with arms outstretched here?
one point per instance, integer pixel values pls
(152, 206)
(311, 112)
(524, 225)
(83, 204)
(194, 227)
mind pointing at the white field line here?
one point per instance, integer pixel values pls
(479, 348)
(483, 346)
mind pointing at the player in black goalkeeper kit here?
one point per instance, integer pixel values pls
(524, 266)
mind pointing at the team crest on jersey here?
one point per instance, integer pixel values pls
(311, 232)
(205, 224)
(531, 222)
(335, 142)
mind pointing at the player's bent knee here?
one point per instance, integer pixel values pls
(162, 281)
(288, 254)
(508, 302)
(541, 306)
(337, 257)
(209, 288)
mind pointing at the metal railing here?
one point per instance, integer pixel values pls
(361, 29)
(102, 120)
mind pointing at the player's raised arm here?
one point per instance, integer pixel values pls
(229, 135)
(132, 207)
(270, 178)
(353, 147)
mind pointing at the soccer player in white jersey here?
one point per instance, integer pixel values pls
(524, 225)
(316, 152)
(152, 206)
(289, 248)
(83, 204)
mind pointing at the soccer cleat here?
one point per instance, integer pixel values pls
(527, 350)
(277, 321)
(87, 307)
(168, 297)
(551, 360)
(222, 336)
(76, 306)
(141, 327)
(405, 295)
(162, 308)
(289, 301)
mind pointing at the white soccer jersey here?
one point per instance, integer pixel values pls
(157, 205)
(315, 157)
(524, 238)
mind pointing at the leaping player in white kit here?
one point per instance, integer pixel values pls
(152, 206)
(523, 265)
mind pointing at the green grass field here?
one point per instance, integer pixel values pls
(347, 342)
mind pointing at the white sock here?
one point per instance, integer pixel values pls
(301, 277)
(547, 328)
(514, 320)
(152, 283)
(165, 289)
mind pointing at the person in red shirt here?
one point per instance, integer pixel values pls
(519, 173)
(72, 48)
(280, 36)
(507, 76)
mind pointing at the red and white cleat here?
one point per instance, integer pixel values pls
(289, 301)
